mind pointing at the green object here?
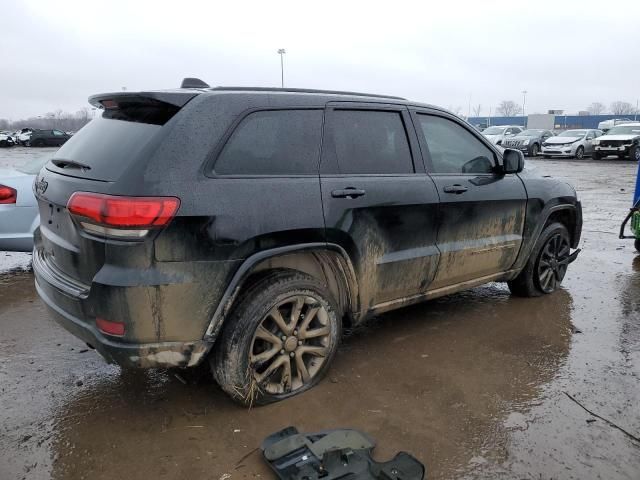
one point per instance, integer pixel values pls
(635, 224)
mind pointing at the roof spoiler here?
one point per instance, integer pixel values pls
(174, 97)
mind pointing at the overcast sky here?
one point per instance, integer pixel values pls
(566, 54)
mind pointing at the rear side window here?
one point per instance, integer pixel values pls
(370, 142)
(275, 142)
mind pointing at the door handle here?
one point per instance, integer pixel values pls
(457, 189)
(349, 192)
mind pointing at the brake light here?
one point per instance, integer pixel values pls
(110, 328)
(121, 216)
(8, 195)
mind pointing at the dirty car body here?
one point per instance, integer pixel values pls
(239, 205)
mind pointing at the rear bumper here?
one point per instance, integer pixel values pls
(133, 355)
(147, 355)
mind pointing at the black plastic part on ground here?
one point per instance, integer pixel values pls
(333, 454)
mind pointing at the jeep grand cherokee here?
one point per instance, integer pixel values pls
(245, 227)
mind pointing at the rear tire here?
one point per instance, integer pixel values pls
(260, 358)
(547, 264)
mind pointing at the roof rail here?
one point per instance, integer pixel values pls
(304, 90)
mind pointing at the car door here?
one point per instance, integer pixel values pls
(481, 214)
(379, 204)
(57, 137)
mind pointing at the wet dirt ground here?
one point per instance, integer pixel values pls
(475, 385)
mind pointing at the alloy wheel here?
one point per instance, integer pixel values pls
(553, 262)
(290, 345)
(580, 153)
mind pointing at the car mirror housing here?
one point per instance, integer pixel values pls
(512, 161)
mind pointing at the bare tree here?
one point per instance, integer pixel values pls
(596, 108)
(622, 108)
(476, 110)
(508, 108)
(53, 120)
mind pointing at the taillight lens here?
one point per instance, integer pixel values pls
(8, 195)
(121, 216)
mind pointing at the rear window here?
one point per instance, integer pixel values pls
(370, 142)
(106, 146)
(274, 142)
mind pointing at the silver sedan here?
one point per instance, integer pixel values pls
(19, 215)
(570, 143)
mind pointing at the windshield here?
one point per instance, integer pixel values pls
(625, 130)
(493, 131)
(33, 166)
(531, 133)
(573, 133)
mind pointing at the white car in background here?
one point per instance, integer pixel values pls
(571, 143)
(6, 139)
(622, 140)
(19, 215)
(497, 134)
(23, 136)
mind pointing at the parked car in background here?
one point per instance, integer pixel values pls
(19, 215)
(622, 140)
(529, 141)
(6, 139)
(162, 249)
(571, 143)
(47, 138)
(23, 136)
(606, 125)
(497, 134)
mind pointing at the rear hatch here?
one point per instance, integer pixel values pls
(103, 152)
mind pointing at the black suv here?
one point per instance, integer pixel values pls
(48, 138)
(246, 226)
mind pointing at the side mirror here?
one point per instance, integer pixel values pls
(512, 161)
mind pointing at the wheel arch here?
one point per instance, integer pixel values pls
(327, 262)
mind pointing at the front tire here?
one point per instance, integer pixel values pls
(580, 153)
(279, 341)
(596, 155)
(534, 150)
(634, 153)
(547, 264)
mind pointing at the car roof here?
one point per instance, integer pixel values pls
(272, 96)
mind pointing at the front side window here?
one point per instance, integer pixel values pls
(58, 133)
(453, 149)
(275, 142)
(370, 142)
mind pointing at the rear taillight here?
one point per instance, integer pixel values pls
(8, 195)
(123, 217)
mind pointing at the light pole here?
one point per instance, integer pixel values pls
(281, 52)
(524, 101)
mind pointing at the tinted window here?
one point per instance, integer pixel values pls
(453, 149)
(281, 142)
(367, 141)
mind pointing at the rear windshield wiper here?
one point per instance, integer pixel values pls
(70, 164)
